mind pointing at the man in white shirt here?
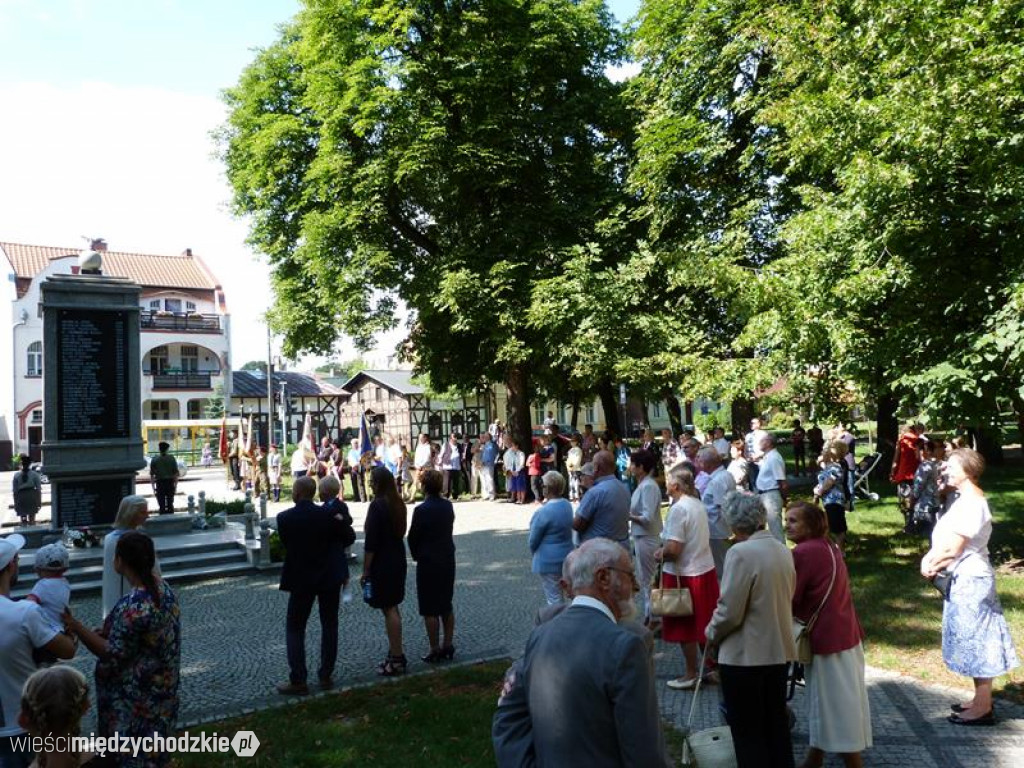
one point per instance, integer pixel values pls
(720, 483)
(23, 628)
(421, 458)
(771, 485)
(720, 443)
(753, 440)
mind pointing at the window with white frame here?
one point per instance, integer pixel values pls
(189, 358)
(539, 415)
(155, 304)
(37, 416)
(590, 415)
(160, 409)
(656, 409)
(190, 306)
(172, 305)
(35, 359)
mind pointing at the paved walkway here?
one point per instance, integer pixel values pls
(233, 650)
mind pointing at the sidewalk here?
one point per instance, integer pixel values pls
(908, 720)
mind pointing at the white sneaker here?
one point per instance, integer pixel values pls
(679, 684)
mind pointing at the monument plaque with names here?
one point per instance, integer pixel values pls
(92, 375)
(90, 502)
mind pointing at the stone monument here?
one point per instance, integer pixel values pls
(92, 410)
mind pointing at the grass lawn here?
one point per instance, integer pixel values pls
(900, 612)
(433, 719)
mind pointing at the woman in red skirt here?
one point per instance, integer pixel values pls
(688, 562)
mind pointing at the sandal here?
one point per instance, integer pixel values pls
(392, 666)
(434, 656)
(448, 652)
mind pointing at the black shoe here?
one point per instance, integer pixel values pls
(326, 683)
(433, 657)
(392, 666)
(988, 719)
(293, 689)
(448, 652)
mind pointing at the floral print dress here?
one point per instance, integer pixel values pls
(137, 681)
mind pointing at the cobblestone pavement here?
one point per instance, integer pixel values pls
(233, 650)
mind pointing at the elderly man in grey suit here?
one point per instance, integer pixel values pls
(587, 680)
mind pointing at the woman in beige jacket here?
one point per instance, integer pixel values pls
(753, 629)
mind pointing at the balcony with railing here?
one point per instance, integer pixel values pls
(183, 380)
(188, 322)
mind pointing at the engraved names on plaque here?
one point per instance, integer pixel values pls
(92, 374)
(89, 502)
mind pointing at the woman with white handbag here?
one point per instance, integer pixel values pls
(839, 718)
(687, 563)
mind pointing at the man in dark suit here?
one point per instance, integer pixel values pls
(314, 539)
(588, 681)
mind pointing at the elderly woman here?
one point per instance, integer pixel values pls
(753, 629)
(27, 488)
(138, 652)
(926, 495)
(837, 698)
(132, 513)
(645, 522)
(688, 562)
(739, 467)
(975, 638)
(384, 564)
(833, 488)
(551, 536)
(433, 548)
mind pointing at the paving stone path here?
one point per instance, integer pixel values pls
(233, 651)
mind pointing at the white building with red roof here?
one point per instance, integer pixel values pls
(185, 335)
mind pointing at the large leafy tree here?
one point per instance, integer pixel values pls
(443, 155)
(843, 182)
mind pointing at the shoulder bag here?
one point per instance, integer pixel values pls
(802, 631)
(669, 601)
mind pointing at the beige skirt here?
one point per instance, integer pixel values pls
(839, 717)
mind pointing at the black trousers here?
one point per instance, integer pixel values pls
(165, 496)
(236, 471)
(451, 483)
(300, 605)
(755, 703)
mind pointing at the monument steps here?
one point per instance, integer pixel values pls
(191, 557)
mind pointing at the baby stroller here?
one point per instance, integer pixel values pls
(862, 476)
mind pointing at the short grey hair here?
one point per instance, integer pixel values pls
(128, 510)
(592, 556)
(681, 477)
(553, 483)
(744, 512)
(709, 456)
(769, 437)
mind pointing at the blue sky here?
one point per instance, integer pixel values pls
(108, 107)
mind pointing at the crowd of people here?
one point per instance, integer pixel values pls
(599, 542)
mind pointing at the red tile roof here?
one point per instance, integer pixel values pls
(184, 271)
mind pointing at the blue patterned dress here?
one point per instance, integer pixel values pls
(137, 681)
(976, 640)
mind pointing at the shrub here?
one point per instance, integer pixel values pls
(236, 507)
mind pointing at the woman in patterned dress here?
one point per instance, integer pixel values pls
(976, 640)
(138, 653)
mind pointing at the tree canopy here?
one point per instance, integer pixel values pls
(445, 154)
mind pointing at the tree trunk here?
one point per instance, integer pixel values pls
(742, 412)
(517, 382)
(990, 443)
(887, 426)
(1018, 412)
(575, 411)
(675, 412)
(606, 392)
(688, 409)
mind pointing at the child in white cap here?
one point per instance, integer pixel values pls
(52, 591)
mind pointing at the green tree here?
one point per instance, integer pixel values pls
(255, 365)
(837, 188)
(445, 155)
(215, 403)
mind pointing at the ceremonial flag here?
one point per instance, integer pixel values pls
(248, 437)
(306, 443)
(365, 445)
(223, 446)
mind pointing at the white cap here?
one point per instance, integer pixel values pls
(53, 557)
(9, 548)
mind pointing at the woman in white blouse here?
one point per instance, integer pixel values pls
(688, 562)
(976, 640)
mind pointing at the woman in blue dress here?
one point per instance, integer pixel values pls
(976, 640)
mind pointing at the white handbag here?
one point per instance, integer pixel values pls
(710, 748)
